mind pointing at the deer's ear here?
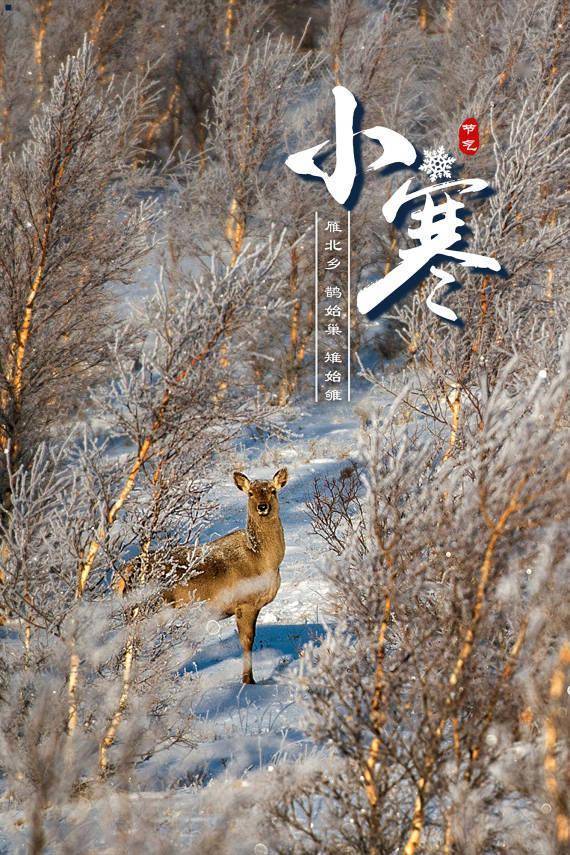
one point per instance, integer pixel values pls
(241, 481)
(280, 478)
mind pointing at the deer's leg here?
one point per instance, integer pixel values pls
(246, 618)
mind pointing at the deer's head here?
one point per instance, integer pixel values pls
(262, 495)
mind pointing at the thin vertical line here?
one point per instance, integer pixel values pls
(316, 306)
(349, 304)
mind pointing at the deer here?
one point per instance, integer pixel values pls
(237, 574)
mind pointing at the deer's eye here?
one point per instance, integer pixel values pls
(250, 494)
(273, 491)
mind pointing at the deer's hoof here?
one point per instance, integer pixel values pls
(248, 679)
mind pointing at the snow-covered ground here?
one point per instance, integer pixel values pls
(247, 727)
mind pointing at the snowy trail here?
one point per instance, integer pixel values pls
(246, 727)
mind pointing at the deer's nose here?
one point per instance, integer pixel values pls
(262, 507)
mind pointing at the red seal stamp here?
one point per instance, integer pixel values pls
(469, 136)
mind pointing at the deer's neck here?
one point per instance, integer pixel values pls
(265, 538)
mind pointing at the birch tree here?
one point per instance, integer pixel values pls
(69, 225)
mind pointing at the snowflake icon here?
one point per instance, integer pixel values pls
(437, 163)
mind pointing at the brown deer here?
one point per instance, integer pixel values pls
(237, 574)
